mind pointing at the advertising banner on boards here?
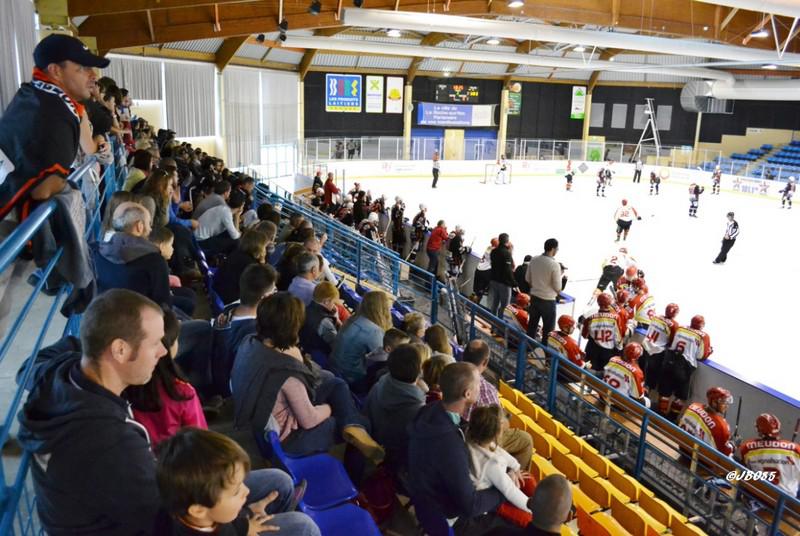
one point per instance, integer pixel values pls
(343, 93)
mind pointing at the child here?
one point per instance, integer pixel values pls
(431, 372)
(376, 360)
(200, 478)
(492, 466)
(182, 298)
(168, 401)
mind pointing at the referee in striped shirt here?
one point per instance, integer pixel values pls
(731, 232)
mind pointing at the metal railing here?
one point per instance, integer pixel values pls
(17, 501)
(687, 473)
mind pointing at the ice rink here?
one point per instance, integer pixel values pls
(748, 302)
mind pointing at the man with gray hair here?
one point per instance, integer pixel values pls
(302, 286)
(314, 245)
(129, 260)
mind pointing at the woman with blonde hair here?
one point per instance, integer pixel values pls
(362, 334)
(436, 338)
(414, 326)
(158, 185)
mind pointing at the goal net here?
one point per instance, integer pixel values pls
(493, 174)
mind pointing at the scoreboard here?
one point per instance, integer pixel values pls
(455, 92)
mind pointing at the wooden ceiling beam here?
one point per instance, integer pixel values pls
(228, 50)
(79, 8)
(728, 18)
(523, 47)
(308, 57)
(604, 56)
(430, 40)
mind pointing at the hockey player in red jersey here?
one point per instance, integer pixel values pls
(624, 218)
(642, 304)
(562, 343)
(707, 422)
(519, 309)
(658, 338)
(623, 310)
(614, 268)
(769, 453)
(603, 335)
(625, 282)
(624, 375)
(689, 345)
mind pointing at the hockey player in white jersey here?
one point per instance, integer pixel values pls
(771, 454)
(624, 218)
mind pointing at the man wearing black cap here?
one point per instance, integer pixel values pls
(731, 232)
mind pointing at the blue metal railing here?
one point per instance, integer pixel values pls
(652, 449)
(17, 501)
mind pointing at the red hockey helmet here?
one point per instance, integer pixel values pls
(632, 352)
(523, 300)
(672, 310)
(624, 202)
(698, 322)
(604, 300)
(719, 395)
(566, 323)
(768, 425)
(622, 297)
(631, 272)
(494, 243)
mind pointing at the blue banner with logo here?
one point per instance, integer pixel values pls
(343, 93)
(455, 115)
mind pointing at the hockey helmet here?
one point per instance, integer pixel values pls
(566, 323)
(792, 179)
(373, 217)
(639, 285)
(672, 310)
(523, 300)
(631, 272)
(494, 242)
(632, 352)
(422, 207)
(719, 395)
(622, 297)
(604, 301)
(624, 202)
(768, 425)
(698, 322)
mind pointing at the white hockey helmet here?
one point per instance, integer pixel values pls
(422, 207)
(373, 217)
(398, 200)
(792, 179)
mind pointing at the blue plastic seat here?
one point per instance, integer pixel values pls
(328, 483)
(343, 520)
(430, 520)
(350, 297)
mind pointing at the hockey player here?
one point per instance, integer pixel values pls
(354, 191)
(502, 171)
(769, 453)
(609, 173)
(603, 335)
(369, 227)
(455, 251)
(642, 304)
(622, 309)
(716, 178)
(707, 422)
(787, 193)
(613, 269)
(419, 227)
(569, 175)
(658, 338)
(624, 218)
(655, 182)
(625, 282)
(601, 183)
(694, 198)
(398, 225)
(562, 343)
(689, 345)
(624, 375)
(519, 309)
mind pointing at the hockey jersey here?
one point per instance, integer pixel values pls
(708, 426)
(693, 344)
(619, 259)
(625, 377)
(625, 213)
(603, 329)
(778, 455)
(566, 346)
(644, 308)
(659, 334)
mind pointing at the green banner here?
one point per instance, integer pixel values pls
(514, 102)
(578, 109)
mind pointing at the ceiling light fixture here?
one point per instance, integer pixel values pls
(763, 32)
(282, 28)
(769, 67)
(705, 28)
(358, 3)
(393, 33)
(579, 48)
(446, 73)
(315, 7)
(493, 41)
(515, 3)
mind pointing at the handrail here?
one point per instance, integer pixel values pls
(11, 494)
(651, 422)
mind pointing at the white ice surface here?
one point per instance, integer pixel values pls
(748, 303)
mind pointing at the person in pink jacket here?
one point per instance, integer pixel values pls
(168, 402)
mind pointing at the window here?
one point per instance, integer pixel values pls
(664, 117)
(639, 117)
(598, 113)
(619, 115)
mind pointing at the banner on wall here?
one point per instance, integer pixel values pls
(374, 93)
(514, 98)
(394, 94)
(343, 93)
(578, 109)
(455, 115)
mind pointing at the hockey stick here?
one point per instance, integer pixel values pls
(736, 438)
(796, 430)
